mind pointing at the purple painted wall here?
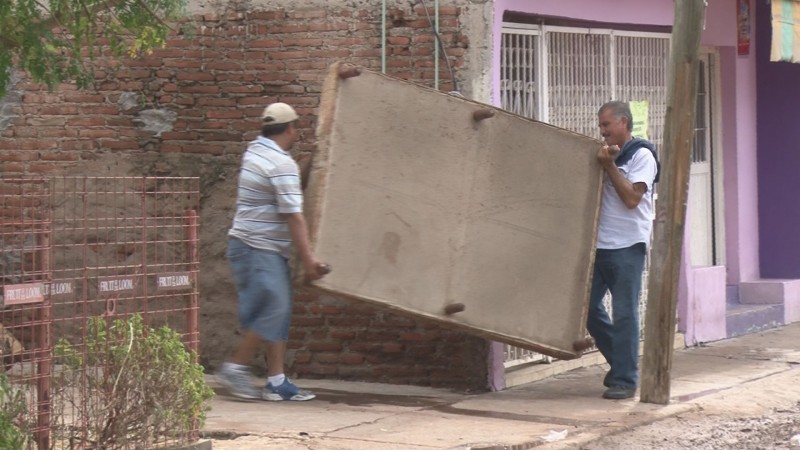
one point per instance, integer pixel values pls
(778, 157)
(743, 246)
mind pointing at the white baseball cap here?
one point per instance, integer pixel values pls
(278, 113)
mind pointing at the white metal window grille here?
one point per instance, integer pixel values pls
(579, 79)
(518, 85)
(562, 75)
(641, 74)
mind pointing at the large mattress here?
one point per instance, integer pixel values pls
(454, 211)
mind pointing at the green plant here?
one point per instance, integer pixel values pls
(56, 40)
(143, 385)
(12, 411)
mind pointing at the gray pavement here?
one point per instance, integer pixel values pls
(563, 411)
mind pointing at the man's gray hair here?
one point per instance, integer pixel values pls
(620, 110)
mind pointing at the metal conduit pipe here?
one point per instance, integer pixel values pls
(383, 36)
(436, 45)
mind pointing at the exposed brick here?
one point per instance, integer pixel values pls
(324, 309)
(302, 42)
(341, 335)
(218, 102)
(351, 359)
(342, 53)
(179, 135)
(277, 76)
(398, 40)
(448, 23)
(131, 85)
(355, 373)
(302, 357)
(365, 347)
(59, 156)
(169, 52)
(45, 121)
(171, 148)
(326, 358)
(84, 121)
(349, 321)
(294, 54)
(82, 144)
(247, 89)
(265, 15)
(392, 347)
(14, 167)
(95, 133)
(297, 334)
(330, 346)
(114, 144)
(328, 26)
(63, 110)
(261, 101)
(194, 76)
(235, 76)
(264, 43)
(183, 63)
(291, 88)
(43, 168)
(133, 74)
(215, 136)
(19, 156)
(201, 89)
(308, 14)
(224, 114)
(315, 369)
(369, 52)
(98, 109)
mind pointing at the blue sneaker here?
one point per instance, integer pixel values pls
(285, 391)
(237, 381)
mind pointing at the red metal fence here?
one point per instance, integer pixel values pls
(90, 266)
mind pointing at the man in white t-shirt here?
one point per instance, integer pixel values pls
(626, 219)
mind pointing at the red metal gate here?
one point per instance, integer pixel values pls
(76, 255)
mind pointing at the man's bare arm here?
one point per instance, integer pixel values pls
(299, 230)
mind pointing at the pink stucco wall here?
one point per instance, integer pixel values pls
(720, 27)
(705, 320)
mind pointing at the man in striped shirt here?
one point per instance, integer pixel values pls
(268, 222)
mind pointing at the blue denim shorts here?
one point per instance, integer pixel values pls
(264, 286)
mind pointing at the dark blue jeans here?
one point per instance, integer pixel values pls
(618, 271)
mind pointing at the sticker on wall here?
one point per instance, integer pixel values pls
(743, 18)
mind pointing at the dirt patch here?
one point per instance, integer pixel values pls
(698, 430)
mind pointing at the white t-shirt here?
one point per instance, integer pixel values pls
(620, 226)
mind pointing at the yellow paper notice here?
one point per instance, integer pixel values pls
(640, 111)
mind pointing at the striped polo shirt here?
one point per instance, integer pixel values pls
(269, 185)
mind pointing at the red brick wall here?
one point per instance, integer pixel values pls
(217, 81)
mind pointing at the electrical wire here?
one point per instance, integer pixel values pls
(441, 46)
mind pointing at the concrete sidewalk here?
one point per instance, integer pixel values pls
(566, 407)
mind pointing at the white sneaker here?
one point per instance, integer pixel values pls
(237, 382)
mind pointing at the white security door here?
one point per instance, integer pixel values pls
(701, 180)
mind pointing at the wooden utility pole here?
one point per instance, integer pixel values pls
(671, 205)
